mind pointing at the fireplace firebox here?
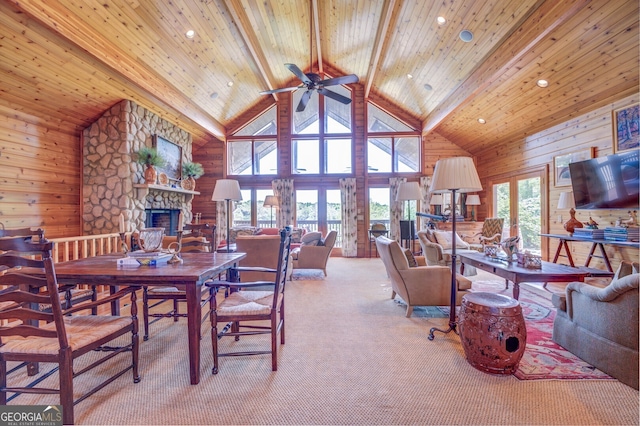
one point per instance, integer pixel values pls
(163, 218)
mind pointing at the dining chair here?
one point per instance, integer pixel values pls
(30, 335)
(194, 238)
(69, 295)
(245, 303)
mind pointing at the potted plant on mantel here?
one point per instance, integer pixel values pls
(150, 158)
(192, 171)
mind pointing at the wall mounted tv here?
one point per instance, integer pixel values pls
(611, 182)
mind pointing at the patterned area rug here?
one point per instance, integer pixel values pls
(307, 275)
(543, 358)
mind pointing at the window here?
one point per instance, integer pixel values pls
(322, 142)
(266, 215)
(307, 209)
(253, 149)
(379, 206)
(381, 122)
(393, 154)
(242, 209)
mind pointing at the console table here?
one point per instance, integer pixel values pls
(563, 239)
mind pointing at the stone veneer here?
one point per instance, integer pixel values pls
(110, 169)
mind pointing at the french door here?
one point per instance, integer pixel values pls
(521, 202)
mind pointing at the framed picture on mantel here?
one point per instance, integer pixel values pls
(561, 165)
(172, 153)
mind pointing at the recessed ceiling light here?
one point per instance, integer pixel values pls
(230, 83)
(190, 34)
(428, 87)
(409, 76)
(441, 20)
(542, 83)
(466, 36)
(214, 95)
(482, 120)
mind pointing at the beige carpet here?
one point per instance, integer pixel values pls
(351, 357)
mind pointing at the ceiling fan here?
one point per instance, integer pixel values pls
(313, 82)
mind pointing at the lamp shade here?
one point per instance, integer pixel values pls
(473, 200)
(408, 191)
(566, 201)
(271, 201)
(226, 189)
(457, 173)
(436, 200)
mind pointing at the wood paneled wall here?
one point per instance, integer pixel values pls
(40, 175)
(592, 130)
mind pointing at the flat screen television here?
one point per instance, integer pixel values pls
(611, 182)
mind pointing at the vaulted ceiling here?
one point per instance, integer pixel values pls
(68, 61)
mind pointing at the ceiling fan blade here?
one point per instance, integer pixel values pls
(345, 79)
(284, 89)
(304, 101)
(298, 72)
(334, 95)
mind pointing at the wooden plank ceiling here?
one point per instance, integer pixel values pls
(67, 61)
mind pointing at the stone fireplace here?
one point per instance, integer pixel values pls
(163, 218)
(112, 179)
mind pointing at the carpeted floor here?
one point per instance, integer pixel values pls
(351, 357)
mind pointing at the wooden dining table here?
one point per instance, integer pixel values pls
(189, 276)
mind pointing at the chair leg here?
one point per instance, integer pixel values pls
(3, 382)
(135, 339)
(409, 310)
(175, 310)
(145, 313)
(214, 344)
(393, 294)
(274, 343)
(282, 321)
(66, 386)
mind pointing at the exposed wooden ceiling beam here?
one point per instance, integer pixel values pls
(58, 19)
(381, 35)
(545, 18)
(316, 33)
(251, 41)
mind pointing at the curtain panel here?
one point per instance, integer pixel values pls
(283, 189)
(396, 207)
(349, 217)
(425, 207)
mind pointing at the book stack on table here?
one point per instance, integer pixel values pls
(589, 234)
(616, 233)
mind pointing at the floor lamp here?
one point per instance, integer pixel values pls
(408, 191)
(455, 175)
(227, 190)
(271, 201)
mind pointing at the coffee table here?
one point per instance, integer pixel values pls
(512, 271)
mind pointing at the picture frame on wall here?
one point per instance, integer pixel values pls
(561, 165)
(172, 153)
(626, 128)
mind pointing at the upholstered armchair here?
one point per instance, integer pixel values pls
(419, 285)
(437, 252)
(600, 325)
(491, 234)
(309, 256)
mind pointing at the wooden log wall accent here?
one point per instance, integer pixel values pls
(592, 130)
(40, 174)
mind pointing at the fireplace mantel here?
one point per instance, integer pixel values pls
(143, 190)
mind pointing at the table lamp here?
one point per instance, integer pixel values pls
(567, 201)
(473, 200)
(436, 202)
(271, 201)
(227, 190)
(456, 174)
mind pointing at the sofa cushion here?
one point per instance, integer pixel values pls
(444, 239)
(242, 230)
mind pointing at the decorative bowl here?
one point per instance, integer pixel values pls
(151, 239)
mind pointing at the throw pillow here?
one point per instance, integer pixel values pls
(410, 258)
(311, 238)
(444, 239)
(296, 235)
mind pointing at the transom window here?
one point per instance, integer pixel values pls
(392, 146)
